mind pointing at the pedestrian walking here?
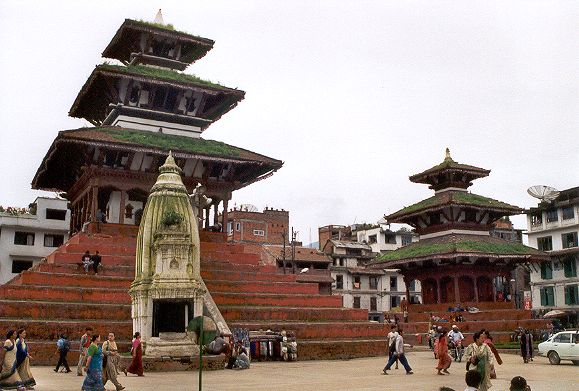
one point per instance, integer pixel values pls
(82, 350)
(398, 354)
(479, 354)
(62, 348)
(94, 366)
(527, 346)
(136, 366)
(392, 342)
(23, 360)
(96, 261)
(9, 376)
(111, 362)
(444, 359)
(489, 341)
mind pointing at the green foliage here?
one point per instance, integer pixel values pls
(167, 26)
(171, 218)
(158, 73)
(172, 142)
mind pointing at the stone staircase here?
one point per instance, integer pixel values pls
(500, 318)
(55, 297)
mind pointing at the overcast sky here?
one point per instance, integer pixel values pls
(353, 96)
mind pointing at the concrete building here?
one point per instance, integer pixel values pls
(382, 239)
(28, 235)
(248, 225)
(377, 290)
(553, 227)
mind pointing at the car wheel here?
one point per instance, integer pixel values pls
(576, 362)
(554, 358)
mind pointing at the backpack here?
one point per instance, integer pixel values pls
(66, 346)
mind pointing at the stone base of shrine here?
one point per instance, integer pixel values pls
(173, 345)
(169, 364)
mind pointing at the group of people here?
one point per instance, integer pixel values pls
(237, 355)
(15, 373)
(101, 363)
(91, 261)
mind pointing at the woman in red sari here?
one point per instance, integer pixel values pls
(444, 359)
(136, 366)
(489, 341)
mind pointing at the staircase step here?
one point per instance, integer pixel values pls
(275, 313)
(292, 300)
(109, 249)
(414, 308)
(321, 330)
(341, 349)
(43, 329)
(207, 265)
(71, 268)
(246, 287)
(57, 293)
(30, 277)
(482, 315)
(236, 258)
(59, 310)
(245, 276)
(59, 257)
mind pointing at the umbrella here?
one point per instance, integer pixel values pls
(555, 314)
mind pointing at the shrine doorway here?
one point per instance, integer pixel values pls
(485, 288)
(429, 291)
(466, 288)
(447, 290)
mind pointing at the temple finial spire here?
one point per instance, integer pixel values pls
(447, 156)
(159, 17)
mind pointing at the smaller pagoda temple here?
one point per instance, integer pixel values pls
(456, 259)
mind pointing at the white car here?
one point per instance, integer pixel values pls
(561, 346)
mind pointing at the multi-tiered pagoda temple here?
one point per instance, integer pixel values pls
(456, 259)
(140, 111)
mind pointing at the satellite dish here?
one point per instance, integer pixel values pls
(544, 193)
(248, 208)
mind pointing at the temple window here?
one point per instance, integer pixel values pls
(569, 239)
(134, 96)
(339, 281)
(238, 226)
(545, 243)
(259, 232)
(129, 211)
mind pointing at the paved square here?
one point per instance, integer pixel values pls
(360, 375)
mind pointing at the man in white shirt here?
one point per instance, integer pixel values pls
(391, 340)
(456, 337)
(398, 354)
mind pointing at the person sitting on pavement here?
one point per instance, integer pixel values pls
(218, 345)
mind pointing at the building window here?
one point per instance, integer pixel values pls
(569, 240)
(373, 282)
(259, 232)
(536, 219)
(406, 239)
(229, 228)
(55, 214)
(339, 281)
(20, 266)
(357, 283)
(570, 267)
(568, 212)
(24, 238)
(356, 301)
(545, 243)
(546, 271)
(238, 226)
(389, 238)
(393, 283)
(412, 285)
(394, 301)
(547, 296)
(552, 215)
(53, 240)
(372, 239)
(571, 295)
(373, 304)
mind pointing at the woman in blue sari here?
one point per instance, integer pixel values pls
(94, 366)
(23, 360)
(9, 377)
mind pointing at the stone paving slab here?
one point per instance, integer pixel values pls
(356, 375)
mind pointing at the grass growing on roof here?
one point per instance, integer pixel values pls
(171, 142)
(164, 74)
(421, 250)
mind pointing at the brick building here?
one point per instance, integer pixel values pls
(247, 225)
